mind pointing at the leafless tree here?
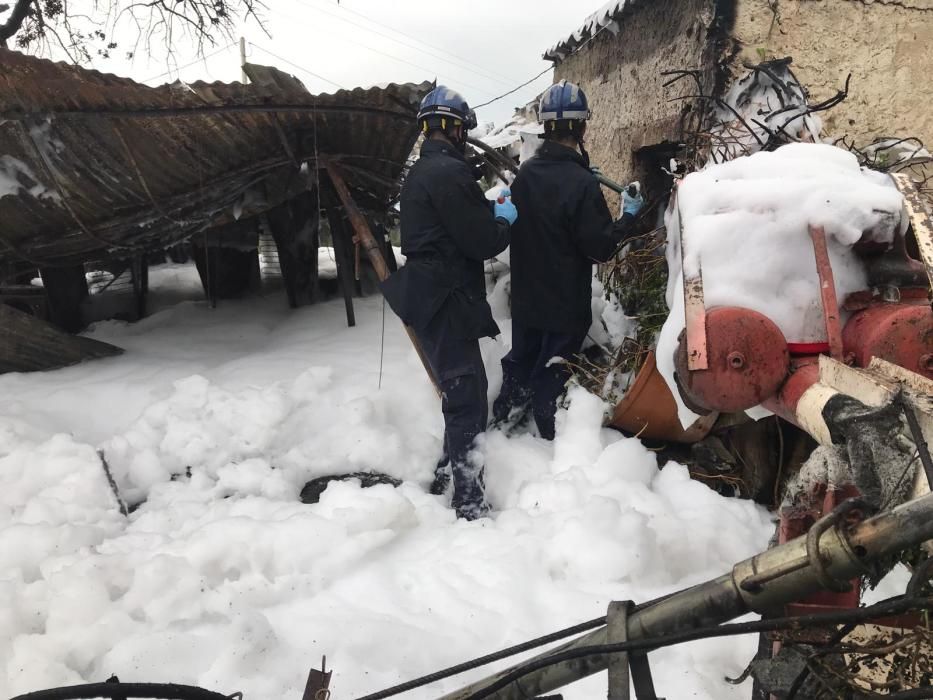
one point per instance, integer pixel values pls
(84, 28)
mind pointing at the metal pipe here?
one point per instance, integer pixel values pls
(844, 556)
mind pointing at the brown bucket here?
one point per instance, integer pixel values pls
(648, 409)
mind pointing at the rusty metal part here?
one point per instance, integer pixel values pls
(370, 246)
(197, 149)
(617, 631)
(858, 301)
(648, 409)
(695, 317)
(833, 519)
(827, 292)
(694, 301)
(920, 219)
(318, 685)
(747, 361)
(721, 599)
(899, 333)
(923, 449)
(804, 373)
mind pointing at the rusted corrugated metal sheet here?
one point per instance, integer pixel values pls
(94, 164)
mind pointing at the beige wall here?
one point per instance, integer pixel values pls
(621, 76)
(887, 47)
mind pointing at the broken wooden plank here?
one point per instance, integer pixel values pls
(920, 219)
(28, 344)
(368, 242)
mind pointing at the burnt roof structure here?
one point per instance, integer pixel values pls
(96, 165)
(606, 17)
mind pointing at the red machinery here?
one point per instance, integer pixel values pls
(730, 359)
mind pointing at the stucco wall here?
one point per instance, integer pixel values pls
(887, 46)
(621, 76)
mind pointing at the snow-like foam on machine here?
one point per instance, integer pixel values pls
(745, 224)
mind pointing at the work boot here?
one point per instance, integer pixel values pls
(473, 511)
(441, 481)
(514, 420)
(442, 475)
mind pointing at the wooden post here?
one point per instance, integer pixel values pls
(341, 239)
(371, 247)
(65, 289)
(140, 274)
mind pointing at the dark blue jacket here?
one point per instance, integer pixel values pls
(563, 227)
(448, 231)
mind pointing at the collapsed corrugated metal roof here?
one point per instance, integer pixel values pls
(605, 18)
(94, 164)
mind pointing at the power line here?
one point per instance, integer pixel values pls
(457, 64)
(428, 71)
(295, 65)
(198, 60)
(581, 46)
(529, 82)
(409, 36)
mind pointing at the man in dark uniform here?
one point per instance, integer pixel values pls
(449, 229)
(564, 226)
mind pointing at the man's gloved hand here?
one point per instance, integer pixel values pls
(632, 201)
(477, 166)
(504, 209)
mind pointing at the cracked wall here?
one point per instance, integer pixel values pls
(622, 78)
(887, 45)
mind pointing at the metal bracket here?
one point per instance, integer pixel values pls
(813, 557)
(625, 665)
(832, 520)
(318, 683)
(694, 305)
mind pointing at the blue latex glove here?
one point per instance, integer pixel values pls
(632, 205)
(504, 208)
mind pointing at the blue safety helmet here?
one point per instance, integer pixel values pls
(563, 101)
(442, 103)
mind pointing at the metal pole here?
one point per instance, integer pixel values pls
(824, 269)
(244, 78)
(790, 575)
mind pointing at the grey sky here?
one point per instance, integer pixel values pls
(482, 48)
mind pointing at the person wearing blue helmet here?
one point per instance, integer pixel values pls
(448, 230)
(564, 227)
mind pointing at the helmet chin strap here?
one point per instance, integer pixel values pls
(584, 153)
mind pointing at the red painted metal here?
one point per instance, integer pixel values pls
(795, 521)
(694, 307)
(827, 292)
(899, 333)
(857, 301)
(807, 348)
(804, 373)
(747, 361)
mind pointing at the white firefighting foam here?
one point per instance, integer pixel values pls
(745, 226)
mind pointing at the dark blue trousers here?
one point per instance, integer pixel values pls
(530, 376)
(458, 366)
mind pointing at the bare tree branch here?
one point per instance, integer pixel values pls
(34, 24)
(15, 21)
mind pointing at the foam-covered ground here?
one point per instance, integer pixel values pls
(222, 578)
